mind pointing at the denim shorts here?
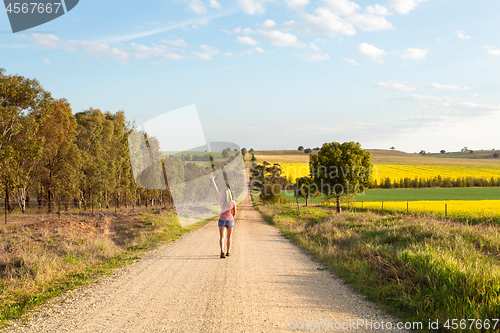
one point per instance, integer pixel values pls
(228, 224)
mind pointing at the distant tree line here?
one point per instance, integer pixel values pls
(194, 157)
(438, 181)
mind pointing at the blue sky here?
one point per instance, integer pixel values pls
(276, 74)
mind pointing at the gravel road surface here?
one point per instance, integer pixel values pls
(267, 285)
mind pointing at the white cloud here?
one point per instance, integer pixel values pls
(475, 108)
(46, 61)
(461, 35)
(433, 86)
(403, 6)
(172, 56)
(215, 4)
(372, 52)
(253, 7)
(204, 21)
(246, 40)
(494, 52)
(317, 57)
(52, 42)
(437, 86)
(313, 46)
(142, 51)
(393, 86)
(341, 7)
(243, 53)
(325, 22)
(370, 22)
(268, 24)
(258, 49)
(122, 53)
(351, 61)
(208, 52)
(46, 41)
(378, 10)
(298, 5)
(177, 42)
(197, 6)
(423, 98)
(415, 53)
(279, 38)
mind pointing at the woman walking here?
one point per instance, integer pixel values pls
(226, 219)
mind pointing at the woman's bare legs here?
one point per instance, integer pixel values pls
(229, 238)
(222, 231)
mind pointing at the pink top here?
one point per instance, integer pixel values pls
(228, 214)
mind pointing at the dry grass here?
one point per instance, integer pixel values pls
(40, 260)
(380, 156)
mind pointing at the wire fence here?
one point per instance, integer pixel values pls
(43, 210)
(438, 210)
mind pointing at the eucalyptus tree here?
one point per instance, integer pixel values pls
(341, 170)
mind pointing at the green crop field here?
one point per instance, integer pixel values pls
(418, 194)
(430, 194)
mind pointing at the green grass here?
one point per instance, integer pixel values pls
(418, 269)
(431, 194)
(419, 194)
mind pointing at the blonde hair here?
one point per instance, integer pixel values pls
(227, 199)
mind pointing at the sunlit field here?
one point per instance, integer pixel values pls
(473, 211)
(397, 172)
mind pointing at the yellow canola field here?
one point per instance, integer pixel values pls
(462, 209)
(295, 170)
(397, 172)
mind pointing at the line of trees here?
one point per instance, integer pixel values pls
(438, 181)
(51, 154)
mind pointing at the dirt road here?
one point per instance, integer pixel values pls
(267, 285)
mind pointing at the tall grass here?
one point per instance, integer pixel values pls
(418, 268)
(39, 262)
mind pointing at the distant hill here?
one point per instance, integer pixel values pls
(382, 156)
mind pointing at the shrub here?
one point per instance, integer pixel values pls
(271, 193)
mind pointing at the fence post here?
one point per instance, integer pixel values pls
(407, 208)
(445, 211)
(382, 206)
(361, 204)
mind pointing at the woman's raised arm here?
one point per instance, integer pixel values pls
(212, 179)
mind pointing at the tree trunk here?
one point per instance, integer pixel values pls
(20, 194)
(306, 201)
(7, 196)
(339, 209)
(50, 196)
(39, 196)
